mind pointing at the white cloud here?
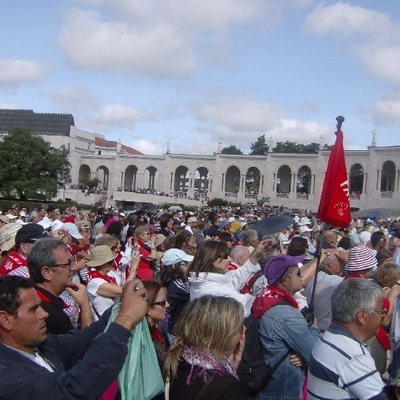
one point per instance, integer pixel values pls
(8, 106)
(387, 109)
(118, 116)
(16, 72)
(147, 146)
(160, 38)
(74, 98)
(241, 122)
(372, 36)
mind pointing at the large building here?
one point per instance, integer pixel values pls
(128, 176)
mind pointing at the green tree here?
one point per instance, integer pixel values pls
(30, 168)
(259, 147)
(298, 148)
(217, 202)
(232, 149)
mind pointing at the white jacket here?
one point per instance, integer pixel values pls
(227, 284)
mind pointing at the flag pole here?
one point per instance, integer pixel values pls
(339, 121)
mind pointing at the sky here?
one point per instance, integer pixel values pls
(196, 72)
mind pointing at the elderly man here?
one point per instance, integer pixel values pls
(329, 239)
(51, 267)
(282, 328)
(81, 364)
(328, 279)
(341, 366)
(239, 255)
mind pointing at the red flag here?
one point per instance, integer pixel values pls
(334, 206)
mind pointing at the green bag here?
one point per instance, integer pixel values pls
(140, 377)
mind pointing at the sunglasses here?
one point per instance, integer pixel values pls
(161, 303)
(298, 273)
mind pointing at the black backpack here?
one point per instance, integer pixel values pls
(253, 373)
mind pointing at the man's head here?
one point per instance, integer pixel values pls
(378, 240)
(250, 238)
(284, 272)
(330, 237)
(357, 305)
(50, 264)
(240, 254)
(305, 231)
(22, 319)
(334, 263)
(27, 236)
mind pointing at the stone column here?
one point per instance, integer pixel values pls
(364, 186)
(378, 180)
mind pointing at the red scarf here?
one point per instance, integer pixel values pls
(269, 297)
(156, 334)
(13, 261)
(46, 299)
(93, 273)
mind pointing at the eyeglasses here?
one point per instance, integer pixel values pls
(298, 273)
(161, 303)
(382, 240)
(382, 311)
(65, 265)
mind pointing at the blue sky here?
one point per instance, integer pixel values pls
(198, 71)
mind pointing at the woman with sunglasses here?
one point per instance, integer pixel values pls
(158, 305)
(208, 349)
(209, 272)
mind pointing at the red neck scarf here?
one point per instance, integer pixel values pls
(93, 273)
(13, 261)
(269, 297)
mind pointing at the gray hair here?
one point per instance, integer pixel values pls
(239, 251)
(352, 296)
(42, 254)
(249, 236)
(32, 216)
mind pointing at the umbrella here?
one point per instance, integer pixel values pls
(272, 225)
(375, 214)
(175, 208)
(384, 213)
(149, 207)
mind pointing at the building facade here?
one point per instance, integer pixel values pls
(127, 176)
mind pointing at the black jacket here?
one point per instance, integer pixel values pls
(85, 362)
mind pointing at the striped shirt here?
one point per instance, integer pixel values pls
(341, 367)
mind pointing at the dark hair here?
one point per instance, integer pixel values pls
(10, 299)
(171, 273)
(345, 243)
(182, 238)
(297, 246)
(383, 255)
(205, 256)
(375, 238)
(115, 228)
(42, 254)
(164, 220)
(152, 288)
(226, 237)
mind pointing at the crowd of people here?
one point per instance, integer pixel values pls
(79, 289)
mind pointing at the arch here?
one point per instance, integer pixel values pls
(232, 180)
(103, 175)
(130, 181)
(252, 181)
(388, 176)
(149, 177)
(356, 183)
(84, 173)
(181, 179)
(303, 183)
(283, 179)
(201, 179)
